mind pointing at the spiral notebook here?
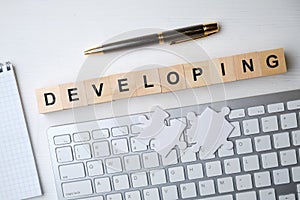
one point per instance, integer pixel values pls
(18, 173)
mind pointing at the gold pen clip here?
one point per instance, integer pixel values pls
(187, 38)
(197, 33)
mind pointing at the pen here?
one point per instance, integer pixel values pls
(172, 37)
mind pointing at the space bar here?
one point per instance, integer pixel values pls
(224, 197)
(75, 189)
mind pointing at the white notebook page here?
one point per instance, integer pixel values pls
(18, 173)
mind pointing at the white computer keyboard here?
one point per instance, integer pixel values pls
(102, 159)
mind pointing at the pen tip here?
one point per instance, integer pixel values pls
(95, 50)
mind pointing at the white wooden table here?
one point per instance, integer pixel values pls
(45, 41)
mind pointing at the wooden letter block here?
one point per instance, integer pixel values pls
(98, 90)
(225, 68)
(172, 78)
(272, 62)
(49, 99)
(247, 66)
(73, 95)
(197, 74)
(147, 82)
(123, 85)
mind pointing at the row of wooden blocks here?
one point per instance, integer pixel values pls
(160, 80)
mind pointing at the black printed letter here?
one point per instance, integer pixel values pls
(71, 93)
(197, 72)
(274, 62)
(49, 103)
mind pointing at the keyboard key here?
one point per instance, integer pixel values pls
(150, 160)
(222, 197)
(281, 140)
(213, 168)
(250, 163)
(262, 143)
(119, 131)
(195, 171)
(250, 126)
(288, 157)
(269, 160)
(93, 198)
(136, 128)
(246, 196)
(296, 174)
(207, 187)
(71, 171)
(276, 107)
(257, 110)
(187, 155)
(267, 194)
(62, 139)
(151, 194)
(243, 182)
(223, 151)
(119, 146)
(236, 131)
(269, 124)
(158, 177)
(139, 179)
(232, 166)
(64, 154)
(287, 197)
(137, 145)
(244, 146)
(281, 176)
(133, 195)
(176, 174)
(100, 134)
(171, 158)
(188, 190)
(205, 157)
(117, 196)
(132, 162)
(262, 179)
(288, 121)
(296, 138)
(82, 151)
(81, 137)
(225, 185)
(77, 189)
(95, 168)
(169, 192)
(113, 165)
(101, 149)
(239, 113)
(102, 185)
(293, 105)
(121, 182)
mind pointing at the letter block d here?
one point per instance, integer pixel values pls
(49, 99)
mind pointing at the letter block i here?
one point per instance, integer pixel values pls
(49, 99)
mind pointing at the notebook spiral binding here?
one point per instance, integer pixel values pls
(8, 66)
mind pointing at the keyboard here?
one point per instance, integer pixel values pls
(263, 163)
